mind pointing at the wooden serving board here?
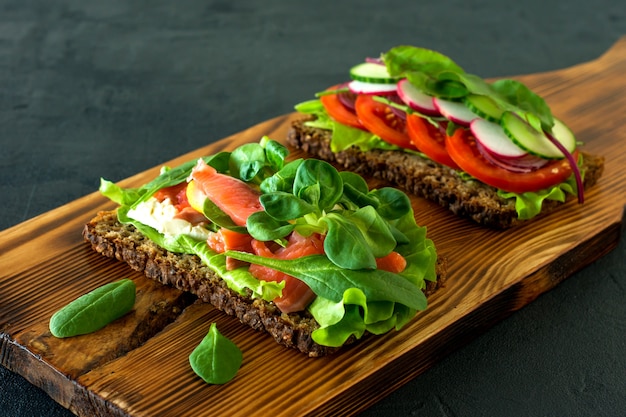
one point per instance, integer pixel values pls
(138, 366)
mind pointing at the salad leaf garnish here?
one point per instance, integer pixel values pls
(310, 196)
(437, 75)
(216, 359)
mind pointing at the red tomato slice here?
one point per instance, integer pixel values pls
(462, 148)
(429, 140)
(338, 111)
(381, 121)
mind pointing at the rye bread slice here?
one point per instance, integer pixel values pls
(428, 179)
(124, 242)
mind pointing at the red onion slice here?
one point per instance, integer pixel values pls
(395, 110)
(347, 98)
(570, 158)
(527, 163)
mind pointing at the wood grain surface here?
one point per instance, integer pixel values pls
(138, 366)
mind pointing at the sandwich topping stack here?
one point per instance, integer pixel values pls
(491, 152)
(294, 248)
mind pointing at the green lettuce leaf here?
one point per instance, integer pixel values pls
(353, 315)
(529, 204)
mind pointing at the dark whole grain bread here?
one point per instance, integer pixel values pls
(123, 242)
(428, 179)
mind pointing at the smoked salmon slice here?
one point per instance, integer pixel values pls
(177, 195)
(394, 262)
(225, 239)
(296, 294)
(233, 196)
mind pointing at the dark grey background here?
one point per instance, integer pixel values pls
(110, 88)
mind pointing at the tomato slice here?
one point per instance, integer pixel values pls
(338, 111)
(429, 140)
(380, 120)
(462, 148)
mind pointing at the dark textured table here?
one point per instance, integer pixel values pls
(111, 88)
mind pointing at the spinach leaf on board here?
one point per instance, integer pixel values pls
(94, 310)
(216, 359)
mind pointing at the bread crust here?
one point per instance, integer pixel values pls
(428, 179)
(124, 242)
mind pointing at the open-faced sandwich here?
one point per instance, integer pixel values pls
(492, 152)
(295, 248)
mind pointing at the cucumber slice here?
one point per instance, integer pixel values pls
(535, 142)
(369, 72)
(484, 106)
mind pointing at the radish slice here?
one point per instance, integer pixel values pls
(454, 111)
(492, 137)
(360, 87)
(378, 61)
(415, 99)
